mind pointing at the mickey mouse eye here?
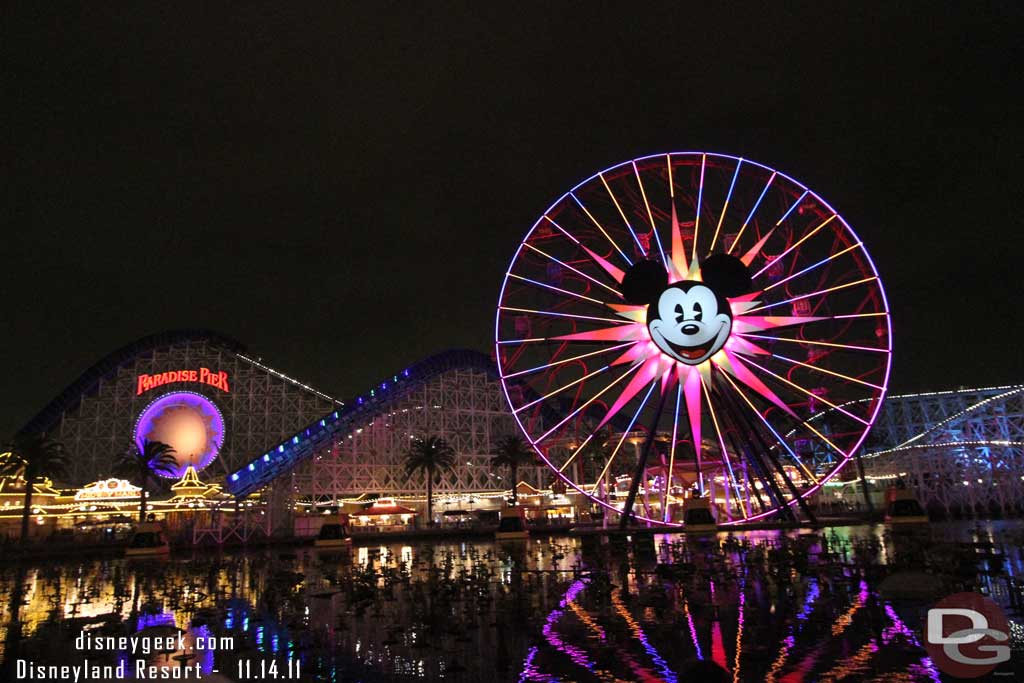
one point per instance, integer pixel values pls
(680, 313)
(698, 312)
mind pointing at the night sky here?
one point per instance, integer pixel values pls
(341, 188)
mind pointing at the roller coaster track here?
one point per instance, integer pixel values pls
(322, 433)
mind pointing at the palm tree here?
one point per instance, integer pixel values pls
(594, 454)
(34, 457)
(513, 453)
(592, 460)
(431, 455)
(141, 461)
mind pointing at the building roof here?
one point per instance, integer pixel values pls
(393, 509)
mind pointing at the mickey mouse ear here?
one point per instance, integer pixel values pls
(643, 281)
(726, 274)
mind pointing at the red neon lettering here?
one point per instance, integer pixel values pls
(217, 379)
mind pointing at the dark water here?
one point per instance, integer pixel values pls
(758, 606)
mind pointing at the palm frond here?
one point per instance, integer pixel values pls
(34, 456)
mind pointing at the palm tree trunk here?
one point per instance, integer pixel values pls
(29, 483)
(607, 497)
(430, 497)
(142, 502)
(515, 480)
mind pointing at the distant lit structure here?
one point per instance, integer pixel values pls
(960, 451)
(105, 503)
(196, 389)
(384, 515)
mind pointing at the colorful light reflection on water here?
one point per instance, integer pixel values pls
(763, 606)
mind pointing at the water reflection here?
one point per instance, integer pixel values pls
(844, 604)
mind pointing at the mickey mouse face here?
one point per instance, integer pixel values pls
(689, 322)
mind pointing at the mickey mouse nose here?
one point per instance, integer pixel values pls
(689, 328)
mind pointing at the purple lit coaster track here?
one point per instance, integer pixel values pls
(684, 316)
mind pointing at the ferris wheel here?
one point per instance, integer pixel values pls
(693, 325)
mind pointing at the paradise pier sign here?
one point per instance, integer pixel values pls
(216, 379)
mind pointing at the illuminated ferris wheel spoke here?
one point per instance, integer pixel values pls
(562, 388)
(808, 393)
(723, 363)
(778, 438)
(755, 251)
(574, 316)
(824, 438)
(725, 206)
(792, 207)
(601, 228)
(650, 216)
(672, 452)
(700, 201)
(647, 371)
(531, 340)
(615, 452)
(560, 229)
(737, 368)
(877, 314)
(693, 387)
(724, 455)
(751, 214)
(826, 371)
(615, 273)
(796, 244)
(562, 361)
(582, 407)
(641, 462)
(579, 449)
(812, 267)
(746, 325)
(583, 297)
(817, 293)
(578, 272)
(754, 455)
(625, 220)
(576, 452)
(753, 494)
(678, 268)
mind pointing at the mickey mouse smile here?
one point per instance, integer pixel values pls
(689, 323)
(689, 353)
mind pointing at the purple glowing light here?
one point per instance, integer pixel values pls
(190, 423)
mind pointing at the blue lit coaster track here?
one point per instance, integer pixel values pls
(321, 433)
